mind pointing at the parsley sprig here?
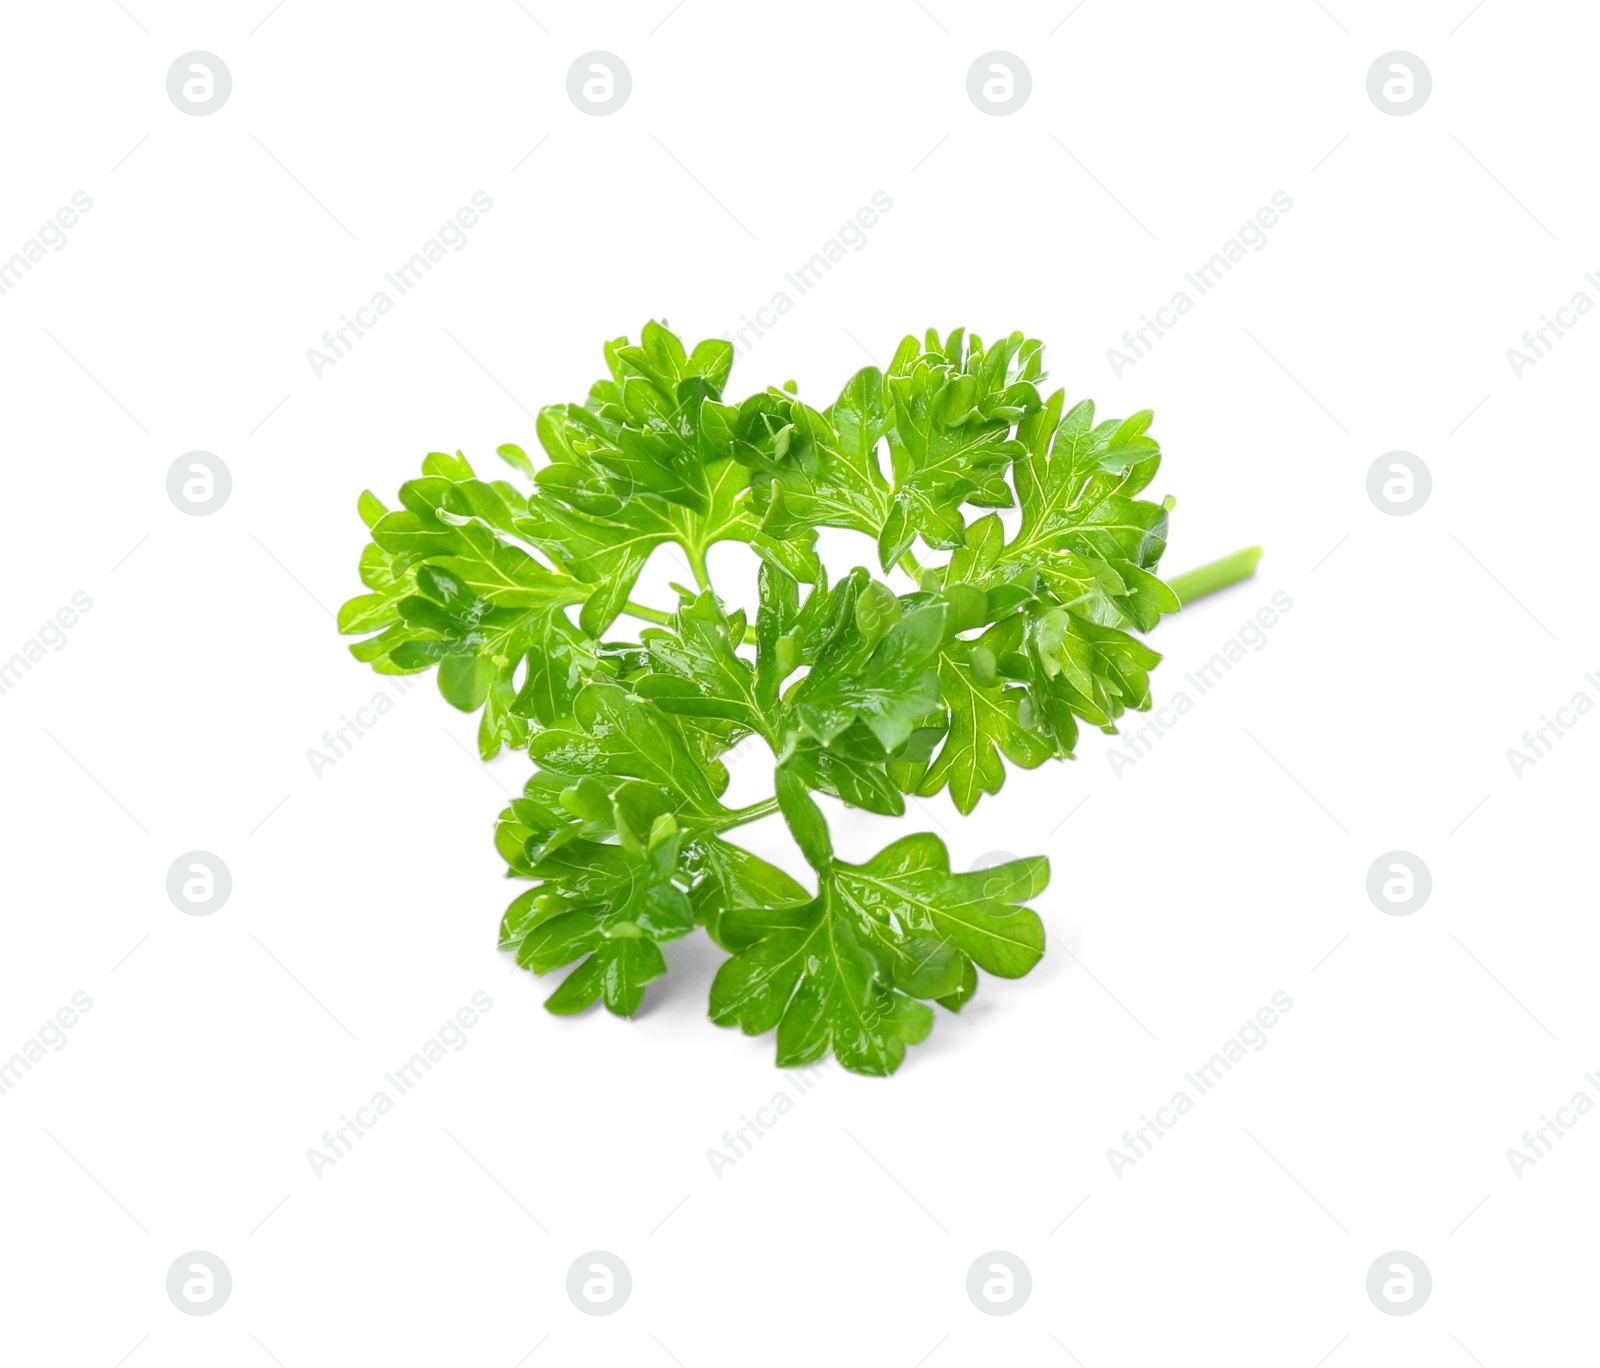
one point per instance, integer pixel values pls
(514, 593)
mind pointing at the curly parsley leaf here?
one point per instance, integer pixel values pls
(853, 969)
(951, 443)
(610, 907)
(614, 734)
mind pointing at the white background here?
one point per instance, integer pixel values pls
(1225, 866)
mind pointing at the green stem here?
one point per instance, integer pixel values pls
(741, 816)
(697, 563)
(1218, 574)
(661, 619)
(908, 563)
(644, 614)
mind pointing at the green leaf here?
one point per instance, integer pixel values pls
(649, 459)
(868, 669)
(851, 770)
(987, 721)
(1091, 671)
(449, 591)
(847, 971)
(811, 469)
(1083, 529)
(907, 889)
(608, 906)
(697, 672)
(617, 970)
(807, 975)
(728, 877)
(560, 660)
(614, 733)
(951, 443)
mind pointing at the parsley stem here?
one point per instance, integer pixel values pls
(1218, 574)
(640, 611)
(740, 816)
(697, 563)
(647, 614)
